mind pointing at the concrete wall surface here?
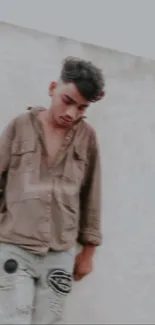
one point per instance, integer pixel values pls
(123, 25)
(121, 290)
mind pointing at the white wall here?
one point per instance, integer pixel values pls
(121, 288)
(124, 25)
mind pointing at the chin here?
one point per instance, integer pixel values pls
(63, 124)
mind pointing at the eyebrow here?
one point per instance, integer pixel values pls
(74, 101)
(71, 99)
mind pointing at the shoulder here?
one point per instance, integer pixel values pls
(23, 128)
(22, 119)
(13, 124)
(86, 140)
(86, 131)
(25, 117)
(91, 134)
(88, 128)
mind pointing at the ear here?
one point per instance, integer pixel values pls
(52, 87)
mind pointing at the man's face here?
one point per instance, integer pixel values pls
(68, 105)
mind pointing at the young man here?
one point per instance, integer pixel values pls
(49, 199)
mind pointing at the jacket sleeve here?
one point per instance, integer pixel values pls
(5, 153)
(90, 200)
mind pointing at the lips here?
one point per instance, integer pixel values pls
(66, 120)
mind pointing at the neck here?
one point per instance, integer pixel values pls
(49, 119)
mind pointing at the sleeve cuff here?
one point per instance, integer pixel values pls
(88, 236)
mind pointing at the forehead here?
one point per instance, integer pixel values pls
(71, 90)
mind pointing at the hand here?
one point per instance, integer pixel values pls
(83, 266)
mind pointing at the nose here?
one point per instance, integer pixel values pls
(71, 112)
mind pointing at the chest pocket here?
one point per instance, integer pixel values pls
(22, 156)
(76, 165)
(22, 164)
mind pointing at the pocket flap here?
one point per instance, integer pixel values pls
(80, 154)
(21, 147)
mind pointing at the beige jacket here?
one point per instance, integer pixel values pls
(48, 206)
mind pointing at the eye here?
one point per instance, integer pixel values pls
(82, 108)
(66, 100)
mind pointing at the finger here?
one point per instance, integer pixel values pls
(79, 276)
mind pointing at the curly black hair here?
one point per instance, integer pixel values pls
(87, 78)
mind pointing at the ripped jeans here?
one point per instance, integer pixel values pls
(33, 288)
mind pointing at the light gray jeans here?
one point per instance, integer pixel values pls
(33, 288)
